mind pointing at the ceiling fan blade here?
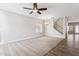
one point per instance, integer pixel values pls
(41, 9)
(39, 12)
(27, 8)
(31, 12)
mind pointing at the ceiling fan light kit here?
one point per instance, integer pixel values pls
(35, 11)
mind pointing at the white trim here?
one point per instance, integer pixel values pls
(32, 37)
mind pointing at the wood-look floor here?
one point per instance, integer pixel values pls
(68, 47)
(29, 47)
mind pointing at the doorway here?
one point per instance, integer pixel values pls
(73, 34)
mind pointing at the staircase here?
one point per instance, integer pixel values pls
(58, 25)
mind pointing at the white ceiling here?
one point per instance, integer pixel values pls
(53, 9)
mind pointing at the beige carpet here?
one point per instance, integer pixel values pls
(30, 47)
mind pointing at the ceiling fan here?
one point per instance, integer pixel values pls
(35, 9)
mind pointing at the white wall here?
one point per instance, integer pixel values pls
(50, 31)
(16, 27)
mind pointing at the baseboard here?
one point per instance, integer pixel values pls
(56, 36)
(32, 37)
